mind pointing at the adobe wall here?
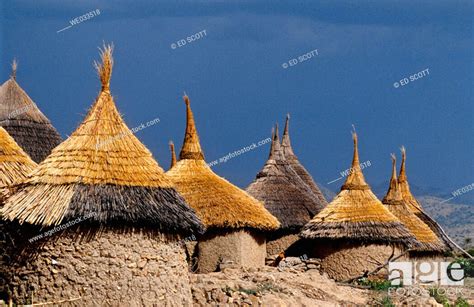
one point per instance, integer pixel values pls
(274, 247)
(111, 269)
(342, 261)
(243, 247)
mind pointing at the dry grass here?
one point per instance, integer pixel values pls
(104, 171)
(283, 192)
(393, 200)
(20, 116)
(217, 202)
(356, 213)
(15, 164)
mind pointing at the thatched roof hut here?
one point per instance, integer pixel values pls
(285, 195)
(15, 164)
(224, 208)
(356, 213)
(124, 248)
(20, 116)
(393, 200)
(298, 167)
(416, 207)
(282, 191)
(355, 230)
(104, 170)
(217, 202)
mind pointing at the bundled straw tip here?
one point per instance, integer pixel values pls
(104, 69)
(403, 150)
(186, 98)
(394, 158)
(14, 67)
(171, 143)
(287, 116)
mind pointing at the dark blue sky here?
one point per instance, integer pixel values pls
(238, 88)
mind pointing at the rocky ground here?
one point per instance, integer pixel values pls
(298, 282)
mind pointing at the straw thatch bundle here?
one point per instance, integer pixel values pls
(173, 155)
(356, 214)
(218, 203)
(15, 164)
(298, 167)
(393, 200)
(282, 191)
(102, 171)
(20, 116)
(416, 207)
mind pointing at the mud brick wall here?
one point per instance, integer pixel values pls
(110, 269)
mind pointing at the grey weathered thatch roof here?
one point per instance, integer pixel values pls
(282, 191)
(23, 120)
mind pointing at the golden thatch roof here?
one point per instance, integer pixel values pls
(282, 191)
(217, 202)
(15, 164)
(357, 214)
(427, 239)
(404, 186)
(416, 207)
(103, 171)
(173, 155)
(20, 116)
(298, 167)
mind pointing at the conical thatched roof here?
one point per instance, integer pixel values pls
(20, 116)
(393, 200)
(173, 155)
(298, 167)
(356, 214)
(282, 191)
(101, 171)
(15, 164)
(217, 202)
(416, 207)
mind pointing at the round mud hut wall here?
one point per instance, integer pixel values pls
(244, 248)
(116, 268)
(280, 241)
(346, 260)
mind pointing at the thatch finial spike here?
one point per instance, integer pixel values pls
(287, 122)
(173, 154)
(14, 68)
(394, 166)
(104, 69)
(191, 147)
(403, 176)
(355, 160)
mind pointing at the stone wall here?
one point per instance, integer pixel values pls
(274, 247)
(243, 248)
(344, 260)
(109, 269)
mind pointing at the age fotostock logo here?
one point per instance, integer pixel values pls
(440, 273)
